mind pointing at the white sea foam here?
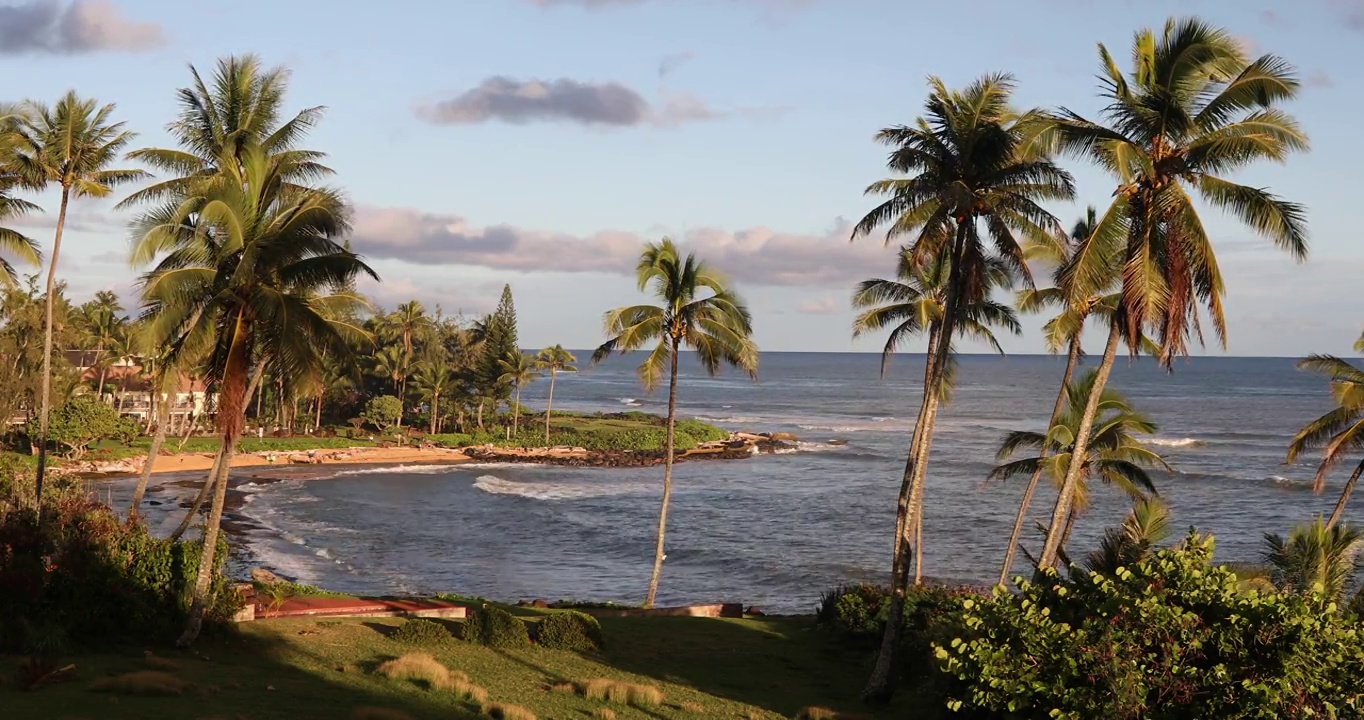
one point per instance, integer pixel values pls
(632, 402)
(495, 485)
(1177, 442)
(398, 470)
(1284, 482)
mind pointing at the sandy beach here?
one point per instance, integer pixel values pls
(192, 462)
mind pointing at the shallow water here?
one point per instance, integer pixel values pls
(776, 530)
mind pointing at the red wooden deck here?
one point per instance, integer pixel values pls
(356, 607)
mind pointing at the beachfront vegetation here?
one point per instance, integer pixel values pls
(698, 310)
(1339, 433)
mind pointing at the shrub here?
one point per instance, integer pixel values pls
(622, 693)
(378, 713)
(383, 411)
(701, 432)
(502, 711)
(854, 611)
(420, 631)
(452, 440)
(1171, 631)
(569, 630)
(98, 578)
(495, 627)
(145, 682)
(77, 423)
(422, 668)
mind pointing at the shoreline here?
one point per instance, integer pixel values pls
(738, 446)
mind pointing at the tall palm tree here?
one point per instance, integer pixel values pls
(1339, 432)
(243, 260)
(556, 360)
(102, 325)
(1115, 455)
(410, 322)
(518, 371)
(1314, 554)
(1193, 109)
(696, 309)
(969, 183)
(1146, 525)
(72, 145)
(434, 378)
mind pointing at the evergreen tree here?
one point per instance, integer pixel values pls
(499, 345)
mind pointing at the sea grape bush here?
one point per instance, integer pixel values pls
(1173, 636)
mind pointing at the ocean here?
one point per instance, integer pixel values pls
(776, 530)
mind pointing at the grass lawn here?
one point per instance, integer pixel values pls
(299, 669)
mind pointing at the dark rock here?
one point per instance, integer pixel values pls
(540, 604)
(754, 612)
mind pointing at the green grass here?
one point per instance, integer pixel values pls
(299, 669)
(607, 432)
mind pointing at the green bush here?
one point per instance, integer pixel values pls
(569, 630)
(97, 577)
(383, 411)
(452, 440)
(495, 627)
(1172, 636)
(77, 423)
(701, 432)
(420, 631)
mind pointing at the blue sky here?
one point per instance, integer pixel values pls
(742, 127)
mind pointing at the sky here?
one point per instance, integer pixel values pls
(541, 142)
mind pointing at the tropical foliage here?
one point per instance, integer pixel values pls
(1340, 432)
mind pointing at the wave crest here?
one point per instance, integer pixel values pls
(1177, 442)
(551, 491)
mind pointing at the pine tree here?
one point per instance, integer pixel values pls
(499, 345)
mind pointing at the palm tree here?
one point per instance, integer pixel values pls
(518, 371)
(696, 309)
(102, 325)
(434, 378)
(972, 183)
(1193, 109)
(1115, 455)
(12, 241)
(556, 360)
(71, 145)
(1314, 555)
(240, 107)
(1147, 525)
(1339, 432)
(410, 322)
(245, 256)
(1062, 331)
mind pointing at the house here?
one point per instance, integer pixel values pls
(129, 389)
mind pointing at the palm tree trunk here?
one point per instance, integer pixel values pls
(909, 510)
(45, 407)
(1345, 493)
(231, 418)
(122, 392)
(159, 439)
(210, 482)
(480, 414)
(668, 447)
(1071, 360)
(549, 406)
(317, 423)
(103, 371)
(435, 410)
(516, 412)
(1065, 498)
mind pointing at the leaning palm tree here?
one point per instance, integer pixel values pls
(518, 371)
(697, 309)
(1314, 555)
(1340, 432)
(242, 263)
(70, 145)
(973, 185)
(1193, 109)
(1115, 455)
(556, 360)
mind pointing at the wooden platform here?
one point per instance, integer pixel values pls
(352, 607)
